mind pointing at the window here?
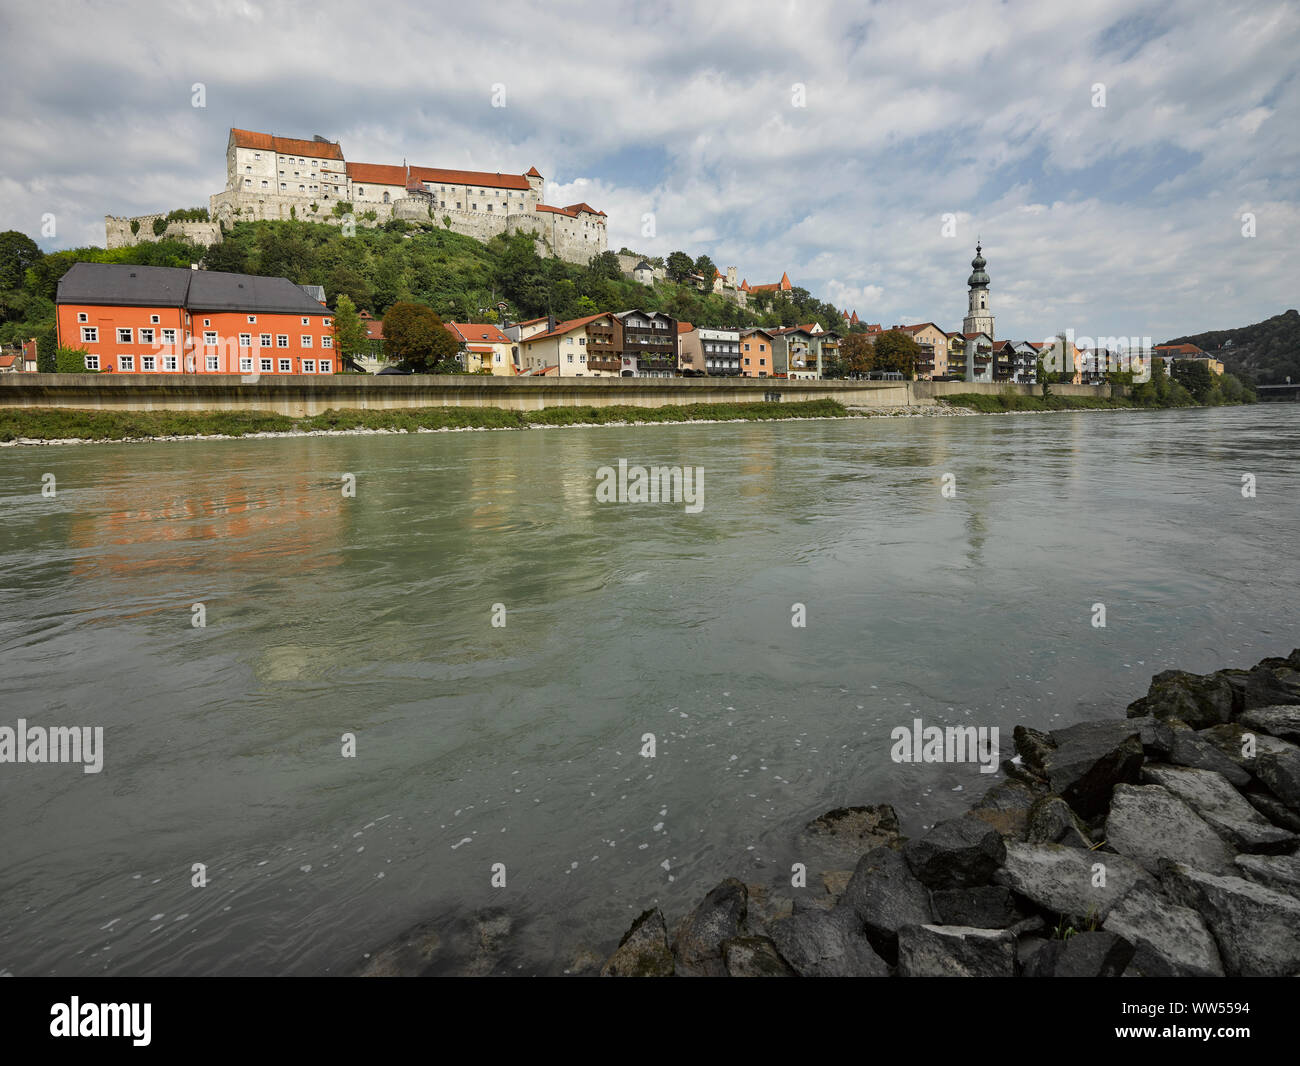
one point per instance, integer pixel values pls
(207, 321)
(326, 366)
(309, 366)
(245, 340)
(126, 362)
(90, 334)
(245, 364)
(360, 191)
(327, 342)
(210, 362)
(286, 365)
(146, 335)
(582, 340)
(264, 184)
(385, 197)
(210, 337)
(265, 365)
(148, 362)
(92, 362)
(248, 183)
(124, 335)
(169, 362)
(82, 316)
(747, 362)
(306, 321)
(169, 336)
(264, 340)
(306, 340)
(252, 318)
(282, 340)
(325, 322)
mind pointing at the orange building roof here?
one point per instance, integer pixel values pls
(565, 327)
(470, 177)
(286, 145)
(532, 173)
(377, 174)
(572, 210)
(478, 332)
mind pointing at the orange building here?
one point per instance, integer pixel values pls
(139, 319)
(756, 353)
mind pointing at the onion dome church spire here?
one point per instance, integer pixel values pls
(979, 318)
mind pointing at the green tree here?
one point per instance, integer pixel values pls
(678, 265)
(159, 226)
(1195, 376)
(70, 361)
(705, 268)
(415, 337)
(47, 348)
(344, 281)
(856, 354)
(349, 331)
(606, 265)
(18, 253)
(896, 351)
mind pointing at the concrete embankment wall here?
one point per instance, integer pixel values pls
(299, 395)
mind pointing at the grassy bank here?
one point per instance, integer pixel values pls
(48, 423)
(1009, 401)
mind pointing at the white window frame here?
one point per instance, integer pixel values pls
(286, 366)
(169, 363)
(211, 362)
(306, 340)
(309, 366)
(146, 335)
(245, 364)
(126, 362)
(89, 334)
(92, 362)
(325, 366)
(169, 336)
(264, 365)
(125, 335)
(264, 340)
(282, 340)
(327, 342)
(210, 338)
(82, 316)
(148, 362)
(245, 340)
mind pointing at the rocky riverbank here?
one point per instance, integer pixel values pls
(1160, 844)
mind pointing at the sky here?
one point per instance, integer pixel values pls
(859, 147)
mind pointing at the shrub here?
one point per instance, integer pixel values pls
(159, 226)
(71, 361)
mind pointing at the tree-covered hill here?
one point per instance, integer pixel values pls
(1266, 353)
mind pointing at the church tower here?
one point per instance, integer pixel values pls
(979, 319)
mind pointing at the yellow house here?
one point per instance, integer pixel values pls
(483, 347)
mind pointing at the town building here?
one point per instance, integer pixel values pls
(715, 352)
(647, 343)
(483, 348)
(783, 285)
(934, 343)
(756, 353)
(1172, 353)
(141, 319)
(979, 316)
(579, 347)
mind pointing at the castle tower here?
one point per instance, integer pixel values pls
(979, 319)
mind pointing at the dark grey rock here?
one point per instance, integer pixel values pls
(984, 907)
(754, 956)
(1230, 739)
(1033, 748)
(1171, 940)
(827, 944)
(955, 951)
(1190, 748)
(1053, 821)
(1256, 928)
(1070, 881)
(1082, 955)
(885, 895)
(1212, 797)
(1280, 773)
(1276, 720)
(643, 951)
(763, 905)
(1156, 734)
(410, 955)
(1281, 873)
(1148, 824)
(1270, 685)
(1006, 806)
(1200, 701)
(720, 916)
(1091, 758)
(844, 834)
(956, 853)
(1274, 810)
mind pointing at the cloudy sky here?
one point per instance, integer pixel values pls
(828, 140)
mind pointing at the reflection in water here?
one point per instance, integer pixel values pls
(371, 616)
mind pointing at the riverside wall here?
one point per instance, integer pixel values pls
(303, 395)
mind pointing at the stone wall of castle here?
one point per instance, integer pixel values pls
(118, 233)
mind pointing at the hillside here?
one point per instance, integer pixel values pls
(1266, 353)
(461, 278)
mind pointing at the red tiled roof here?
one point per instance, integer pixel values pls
(377, 174)
(565, 327)
(481, 332)
(684, 327)
(745, 285)
(1180, 349)
(572, 210)
(8, 360)
(783, 285)
(286, 145)
(532, 173)
(919, 326)
(470, 177)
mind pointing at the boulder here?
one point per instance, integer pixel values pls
(1230, 739)
(1171, 941)
(1053, 821)
(643, 951)
(410, 955)
(1033, 748)
(955, 951)
(1222, 807)
(1270, 685)
(984, 907)
(1005, 807)
(763, 905)
(754, 956)
(1273, 809)
(1280, 773)
(720, 916)
(885, 895)
(1198, 701)
(1081, 955)
(835, 882)
(1281, 873)
(955, 853)
(827, 944)
(1148, 823)
(1276, 720)
(1070, 881)
(1090, 759)
(1190, 748)
(1257, 929)
(843, 835)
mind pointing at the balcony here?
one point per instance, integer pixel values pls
(648, 361)
(603, 362)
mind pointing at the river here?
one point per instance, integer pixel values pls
(371, 615)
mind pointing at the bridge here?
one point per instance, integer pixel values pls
(1278, 393)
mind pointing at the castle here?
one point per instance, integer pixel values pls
(269, 177)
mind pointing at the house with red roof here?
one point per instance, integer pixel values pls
(484, 349)
(579, 347)
(777, 286)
